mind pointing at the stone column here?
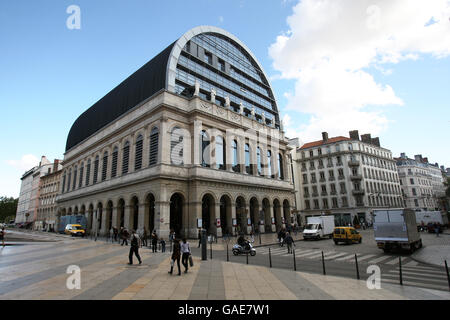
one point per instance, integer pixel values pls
(114, 217)
(195, 212)
(214, 229)
(141, 216)
(233, 216)
(132, 154)
(164, 142)
(145, 147)
(103, 230)
(247, 211)
(162, 218)
(126, 219)
(272, 215)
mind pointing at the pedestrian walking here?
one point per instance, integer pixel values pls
(111, 234)
(154, 241)
(163, 245)
(186, 251)
(144, 237)
(134, 247)
(199, 237)
(2, 236)
(289, 241)
(125, 236)
(115, 233)
(175, 256)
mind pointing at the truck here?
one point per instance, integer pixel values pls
(427, 219)
(318, 227)
(396, 229)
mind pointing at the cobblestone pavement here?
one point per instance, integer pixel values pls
(38, 271)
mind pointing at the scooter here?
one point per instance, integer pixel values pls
(237, 250)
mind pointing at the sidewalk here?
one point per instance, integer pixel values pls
(433, 254)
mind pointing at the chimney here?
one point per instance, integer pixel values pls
(366, 138)
(354, 135)
(324, 136)
(376, 141)
(425, 160)
(55, 165)
(403, 155)
(418, 157)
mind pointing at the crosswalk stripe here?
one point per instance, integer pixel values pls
(395, 260)
(318, 254)
(335, 255)
(427, 269)
(365, 257)
(413, 283)
(434, 272)
(378, 260)
(313, 252)
(420, 279)
(412, 263)
(419, 274)
(348, 257)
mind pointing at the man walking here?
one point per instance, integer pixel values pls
(144, 237)
(175, 256)
(199, 237)
(154, 242)
(289, 241)
(134, 247)
(125, 236)
(186, 251)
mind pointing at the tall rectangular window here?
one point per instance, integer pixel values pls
(125, 158)
(96, 162)
(105, 166)
(88, 172)
(114, 162)
(138, 158)
(154, 135)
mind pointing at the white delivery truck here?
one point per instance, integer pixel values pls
(319, 227)
(428, 217)
(396, 228)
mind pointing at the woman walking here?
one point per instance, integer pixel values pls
(175, 256)
(186, 251)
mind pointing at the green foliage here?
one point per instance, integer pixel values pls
(8, 209)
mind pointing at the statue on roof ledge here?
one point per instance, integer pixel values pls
(213, 95)
(197, 88)
(241, 108)
(227, 101)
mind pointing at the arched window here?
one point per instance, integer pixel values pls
(258, 160)
(96, 169)
(154, 135)
(204, 149)
(75, 172)
(88, 172)
(64, 182)
(236, 167)
(125, 157)
(80, 182)
(280, 167)
(248, 167)
(220, 153)
(176, 147)
(269, 163)
(69, 179)
(115, 155)
(138, 153)
(105, 165)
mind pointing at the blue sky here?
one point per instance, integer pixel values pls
(50, 74)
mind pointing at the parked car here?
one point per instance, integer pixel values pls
(74, 230)
(348, 235)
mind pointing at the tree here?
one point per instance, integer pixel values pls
(8, 208)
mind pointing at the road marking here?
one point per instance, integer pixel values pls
(413, 283)
(434, 272)
(351, 256)
(415, 277)
(377, 260)
(364, 257)
(441, 276)
(395, 260)
(412, 263)
(335, 255)
(312, 252)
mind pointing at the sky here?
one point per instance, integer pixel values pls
(380, 67)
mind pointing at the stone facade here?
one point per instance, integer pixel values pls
(346, 177)
(173, 195)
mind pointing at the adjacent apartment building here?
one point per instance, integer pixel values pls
(29, 196)
(345, 176)
(422, 183)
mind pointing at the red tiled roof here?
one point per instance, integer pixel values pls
(321, 142)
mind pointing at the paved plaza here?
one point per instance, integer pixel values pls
(38, 270)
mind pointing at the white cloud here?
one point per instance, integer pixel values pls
(27, 162)
(331, 44)
(221, 19)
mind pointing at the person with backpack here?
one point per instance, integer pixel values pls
(125, 236)
(134, 247)
(289, 241)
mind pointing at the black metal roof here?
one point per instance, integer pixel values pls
(141, 85)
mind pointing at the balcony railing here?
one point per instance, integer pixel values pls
(353, 163)
(356, 177)
(358, 192)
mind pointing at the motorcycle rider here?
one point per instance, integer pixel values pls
(243, 242)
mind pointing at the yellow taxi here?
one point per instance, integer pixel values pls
(74, 230)
(348, 235)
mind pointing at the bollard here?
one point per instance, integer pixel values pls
(260, 238)
(247, 257)
(228, 257)
(448, 275)
(323, 264)
(210, 249)
(270, 259)
(400, 269)
(357, 269)
(295, 264)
